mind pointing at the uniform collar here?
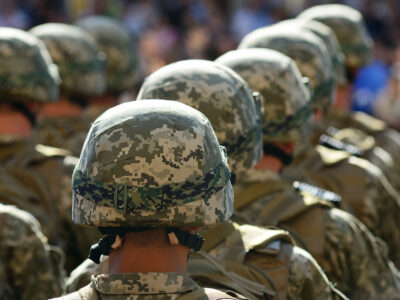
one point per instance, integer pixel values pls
(144, 283)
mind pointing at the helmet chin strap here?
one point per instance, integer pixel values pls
(273, 150)
(114, 236)
(185, 238)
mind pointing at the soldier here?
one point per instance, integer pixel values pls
(213, 88)
(29, 267)
(349, 27)
(357, 143)
(365, 190)
(149, 175)
(61, 124)
(121, 65)
(231, 252)
(341, 244)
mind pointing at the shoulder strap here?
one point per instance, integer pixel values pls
(73, 296)
(255, 191)
(330, 156)
(254, 237)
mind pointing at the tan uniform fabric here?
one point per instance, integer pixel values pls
(29, 267)
(63, 132)
(141, 286)
(366, 192)
(35, 179)
(341, 244)
(387, 138)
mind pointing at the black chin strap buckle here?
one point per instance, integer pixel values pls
(103, 247)
(185, 238)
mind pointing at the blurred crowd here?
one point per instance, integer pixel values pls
(167, 31)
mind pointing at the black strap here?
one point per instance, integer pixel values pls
(103, 247)
(273, 150)
(185, 238)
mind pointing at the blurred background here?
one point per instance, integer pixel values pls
(170, 30)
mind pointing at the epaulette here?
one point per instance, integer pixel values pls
(335, 144)
(49, 151)
(332, 197)
(368, 122)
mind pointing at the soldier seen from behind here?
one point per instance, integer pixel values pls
(151, 173)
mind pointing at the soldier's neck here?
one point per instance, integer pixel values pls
(148, 251)
(15, 123)
(271, 163)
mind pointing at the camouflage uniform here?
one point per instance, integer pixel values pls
(225, 98)
(150, 164)
(384, 197)
(262, 198)
(29, 267)
(28, 74)
(35, 177)
(82, 75)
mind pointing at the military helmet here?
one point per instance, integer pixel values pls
(222, 96)
(26, 69)
(350, 30)
(306, 49)
(114, 40)
(287, 104)
(330, 41)
(75, 53)
(151, 163)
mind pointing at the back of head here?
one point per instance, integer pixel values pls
(77, 57)
(27, 72)
(350, 30)
(222, 96)
(306, 49)
(151, 164)
(114, 40)
(287, 105)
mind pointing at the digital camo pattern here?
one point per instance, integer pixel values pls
(28, 268)
(287, 106)
(306, 278)
(145, 286)
(114, 40)
(350, 30)
(222, 96)
(151, 163)
(26, 69)
(330, 41)
(365, 191)
(341, 244)
(306, 49)
(78, 59)
(294, 273)
(63, 132)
